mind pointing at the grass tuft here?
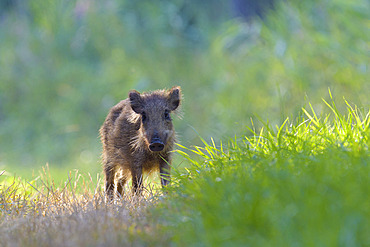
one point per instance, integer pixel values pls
(303, 183)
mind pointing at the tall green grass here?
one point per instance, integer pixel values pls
(304, 183)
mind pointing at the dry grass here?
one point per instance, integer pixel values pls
(39, 213)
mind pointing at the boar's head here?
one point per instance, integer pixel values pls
(155, 111)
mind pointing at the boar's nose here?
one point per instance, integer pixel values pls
(156, 145)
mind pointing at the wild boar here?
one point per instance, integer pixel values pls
(138, 137)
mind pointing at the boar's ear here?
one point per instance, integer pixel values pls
(136, 101)
(174, 97)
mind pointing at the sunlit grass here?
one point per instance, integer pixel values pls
(303, 183)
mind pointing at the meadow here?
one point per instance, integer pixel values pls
(273, 135)
(304, 183)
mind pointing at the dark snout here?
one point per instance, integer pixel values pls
(156, 144)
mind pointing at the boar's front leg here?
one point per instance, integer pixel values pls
(137, 180)
(164, 171)
(120, 186)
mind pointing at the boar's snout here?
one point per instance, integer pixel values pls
(156, 144)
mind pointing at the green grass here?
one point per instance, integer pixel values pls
(304, 183)
(300, 184)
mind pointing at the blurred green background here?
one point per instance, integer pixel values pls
(63, 64)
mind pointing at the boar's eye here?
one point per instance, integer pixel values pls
(167, 115)
(143, 116)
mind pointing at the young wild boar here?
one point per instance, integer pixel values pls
(138, 137)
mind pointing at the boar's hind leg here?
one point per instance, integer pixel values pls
(164, 172)
(137, 181)
(110, 171)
